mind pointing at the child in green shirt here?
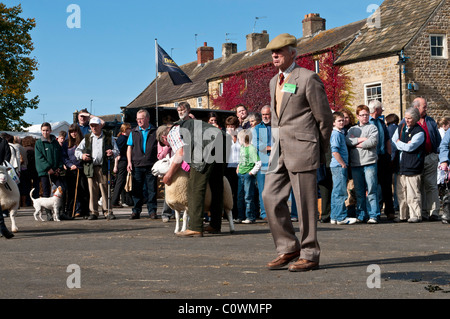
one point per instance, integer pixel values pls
(249, 165)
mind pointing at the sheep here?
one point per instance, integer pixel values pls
(176, 194)
(9, 196)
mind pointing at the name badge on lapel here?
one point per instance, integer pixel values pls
(289, 88)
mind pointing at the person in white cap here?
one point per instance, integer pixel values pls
(95, 150)
(83, 121)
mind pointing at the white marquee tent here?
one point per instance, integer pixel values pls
(35, 130)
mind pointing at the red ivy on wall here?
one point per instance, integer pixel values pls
(251, 86)
(336, 81)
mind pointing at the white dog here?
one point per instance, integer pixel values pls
(53, 203)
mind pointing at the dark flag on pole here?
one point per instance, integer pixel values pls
(166, 64)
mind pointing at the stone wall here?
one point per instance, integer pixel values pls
(384, 71)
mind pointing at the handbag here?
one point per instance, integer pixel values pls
(12, 172)
(129, 183)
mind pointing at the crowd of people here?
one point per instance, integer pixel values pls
(374, 163)
(293, 150)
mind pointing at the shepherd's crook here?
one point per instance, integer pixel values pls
(76, 190)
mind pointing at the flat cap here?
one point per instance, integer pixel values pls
(281, 41)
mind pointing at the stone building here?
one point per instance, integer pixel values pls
(316, 44)
(401, 54)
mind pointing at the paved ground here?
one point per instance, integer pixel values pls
(143, 259)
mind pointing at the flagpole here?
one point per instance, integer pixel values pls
(156, 82)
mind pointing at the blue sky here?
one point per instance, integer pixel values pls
(110, 59)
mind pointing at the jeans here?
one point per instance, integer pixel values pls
(384, 173)
(429, 189)
(326, 187)
(82, 191)
(260, 178)
(339, 194)
(167, 211)
(121, 178)
(143, 176)
(365, 178)
(46, 183)
(394, 193)
(246, 203)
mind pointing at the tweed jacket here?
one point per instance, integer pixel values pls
(302, 130)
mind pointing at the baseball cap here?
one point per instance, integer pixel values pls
(95, 120)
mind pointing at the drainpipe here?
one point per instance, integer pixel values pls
(402, 59)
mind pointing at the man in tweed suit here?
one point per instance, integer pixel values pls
(301, 125)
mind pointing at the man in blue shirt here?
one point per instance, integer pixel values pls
(262, 140)
(141, 155)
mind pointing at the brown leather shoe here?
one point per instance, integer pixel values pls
(282, 260)
(189, 233)
(303, 265)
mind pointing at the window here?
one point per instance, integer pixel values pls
(438, 46)
(373, 92)
(199, 102)
(220, 89)
(175, 104)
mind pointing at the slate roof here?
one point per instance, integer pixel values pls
(329, 38)
(400, 21)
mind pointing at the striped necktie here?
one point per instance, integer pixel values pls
(281, 77)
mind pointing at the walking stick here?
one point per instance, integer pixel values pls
(109, 185)
(76, 191)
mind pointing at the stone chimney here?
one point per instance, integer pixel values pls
(312, 24)
(205, 54)
(256, 41)
(228, 49)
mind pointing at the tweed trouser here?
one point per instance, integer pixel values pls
(213, 174)
(277, 189)
(98, 182)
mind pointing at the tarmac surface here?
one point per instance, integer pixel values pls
(143, 259)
